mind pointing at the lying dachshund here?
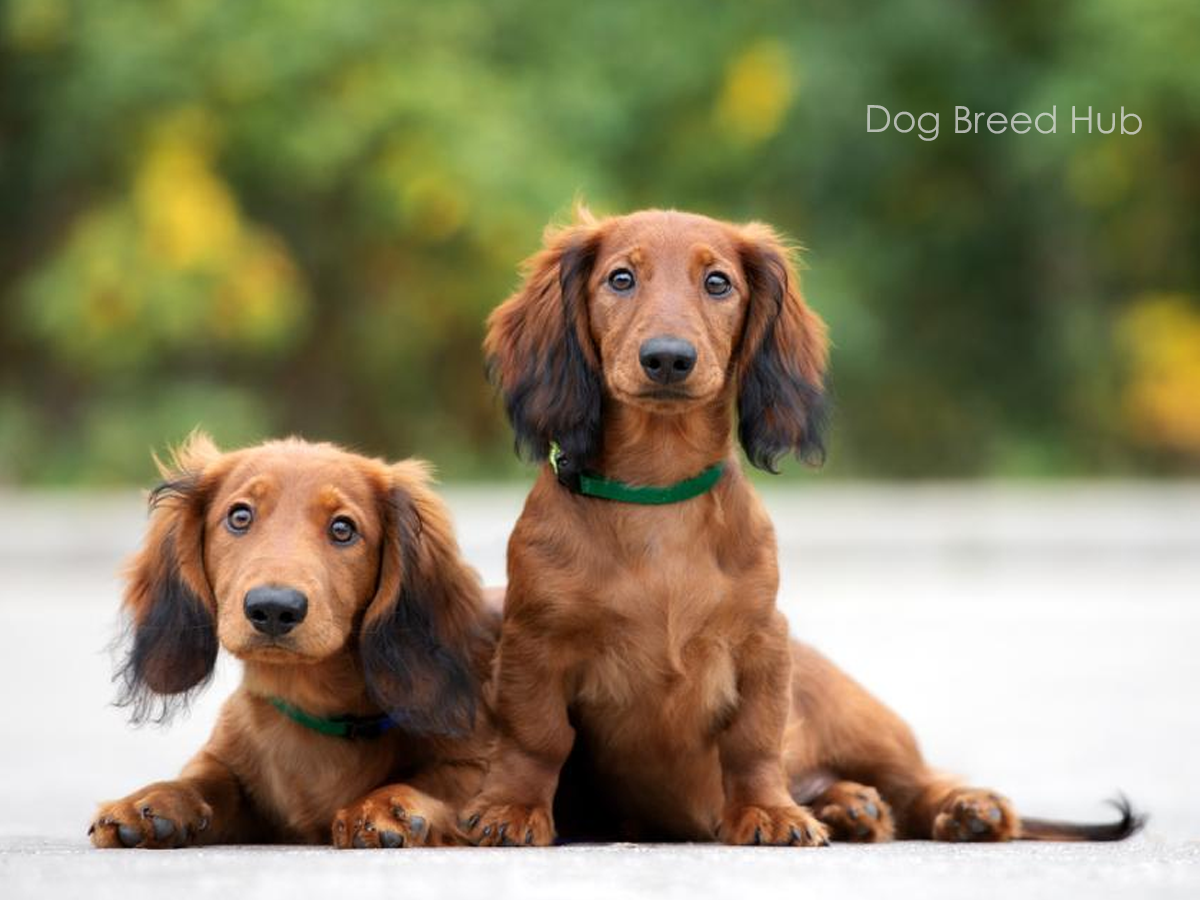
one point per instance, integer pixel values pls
(640, 628)
(337, 581)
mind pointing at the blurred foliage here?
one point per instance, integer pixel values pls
(287, 216)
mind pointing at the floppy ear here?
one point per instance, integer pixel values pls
(781, 363)
(167, 597)
(423, 637)
(540, 353)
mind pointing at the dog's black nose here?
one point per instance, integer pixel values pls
(667, 360)
(275, 610)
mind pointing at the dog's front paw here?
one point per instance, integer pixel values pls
(973, 814)
(392, 817)
(787, 826)
(508, 825)
(159, 817)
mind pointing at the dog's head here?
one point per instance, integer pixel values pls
(291, 553)
(665, 311)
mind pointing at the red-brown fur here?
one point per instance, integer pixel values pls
(395, 624)
(645, 639)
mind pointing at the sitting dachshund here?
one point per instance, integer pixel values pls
(640, 634)
(338, 583)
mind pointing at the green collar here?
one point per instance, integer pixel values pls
(338, 726)
(593, 485)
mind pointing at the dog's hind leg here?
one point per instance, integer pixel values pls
(841, 740)
(840, 728)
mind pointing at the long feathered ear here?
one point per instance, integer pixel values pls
(540, 353)
(781, 366)
(173, 640)
(423, 637)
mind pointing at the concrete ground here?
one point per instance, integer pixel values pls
(1040, 639)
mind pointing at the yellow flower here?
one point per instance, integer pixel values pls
(758, 89)
(189, 213)
(1161, 335)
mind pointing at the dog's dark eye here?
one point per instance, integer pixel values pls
(621, 281)
(238, 518)
(717, 284)
(342, 530)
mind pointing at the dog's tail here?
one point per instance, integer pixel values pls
(1130, 823)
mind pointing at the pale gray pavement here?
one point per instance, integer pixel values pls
(1042, 640)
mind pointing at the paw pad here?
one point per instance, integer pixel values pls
(856, 813)
(978, 816)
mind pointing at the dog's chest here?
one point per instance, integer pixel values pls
(304, 783)
(662, 645)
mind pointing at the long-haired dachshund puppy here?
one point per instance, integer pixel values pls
(337, 581)
(640, 627)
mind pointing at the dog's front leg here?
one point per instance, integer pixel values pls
(203, 806)
(759, 809)
(533, 740)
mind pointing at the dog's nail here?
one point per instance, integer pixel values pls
(872, 810)
(202, 825)
(528, 836)
(163, 828)
(417, 824)
(91, 829)
(473, 821)
(757, 836)
(852, 812)
(359, 842)
(862, 830)
(487, 831)
(994, 814)
(794, 834)
(128, 835)
(978, 826)
(502, 836)
(391, 839)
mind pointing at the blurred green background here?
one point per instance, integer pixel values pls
(287, 216)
